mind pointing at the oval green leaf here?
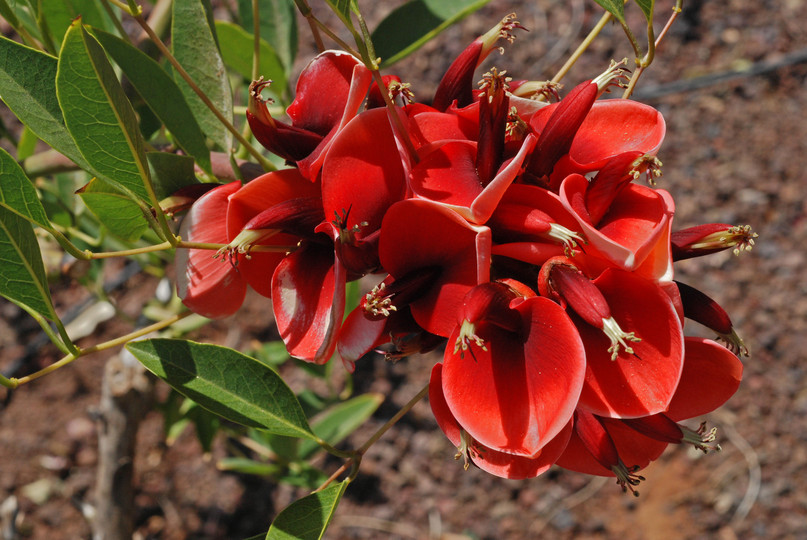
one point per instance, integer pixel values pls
(22, 273)
(236, 48)
(277, 20)
(160, 93)
(28, 87)
(98, 115)
(195, 46)
(115, 210)
(413, 24)
(615, 8)
(307, 518)
(226, 382)
(18, 194)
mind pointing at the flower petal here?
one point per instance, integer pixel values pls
(209, 286)
(308, 297)
(710, 377)
(637, 384)
(497, 463)
(418, 234)
(518, 392)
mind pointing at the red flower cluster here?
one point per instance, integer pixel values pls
(507, 228)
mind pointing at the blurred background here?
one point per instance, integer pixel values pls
(731, 81)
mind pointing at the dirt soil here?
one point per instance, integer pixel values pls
(735, 152)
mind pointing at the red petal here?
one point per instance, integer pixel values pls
(613, 126)
(633, 448)
(261, 193)
(710, 377)
(308, 297)
(363, 172)
(427, 125)
(210, 287)
(447, 174)
(519, 393)
(637, 221)
(489, 460)
(640, 384)
(322, 92)
(461, 251)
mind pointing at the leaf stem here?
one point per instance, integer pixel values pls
(64, 344)
(256, 40)
(122, 340)
(586, 43)
(355, 460)
(305, 11)
(652, 46)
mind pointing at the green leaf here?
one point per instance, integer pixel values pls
(647, 8)
(343, 9)
(226, 382)
(20, 15)
(170, 172)
(237, 46)
(307, 518)
(26, 147)
(98, 115)
(277, 20)
(22, 273)
(161, 94)
(60, 15)
(28, 87)
(413, 24)
(340, 421)
(18, 194)
(248, 466)
(194, 44)
(615, 8)
(114, 209)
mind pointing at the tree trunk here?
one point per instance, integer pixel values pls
(125, 397)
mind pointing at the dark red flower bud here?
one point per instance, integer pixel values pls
(704, 310)
(711, 238)
(599, 443)
(457, 83)
(557, 135)
(493, 112)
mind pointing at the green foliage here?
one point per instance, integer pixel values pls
(277, 20)
(226, 382)
(23, 279)
(18, 194)
(617, 9)
(307, 518)
(237, 47)
(119, 214)
(98, 115)
(194, 44)
(28, 87)
(160, 93)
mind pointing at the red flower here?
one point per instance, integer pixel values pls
(209, 286)
(493, 461)
(632, 335)
(612, 447)
(421, 238)
(513, 370)
(329, 92)
(362, 176)
(457, 83)
(634, 232)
